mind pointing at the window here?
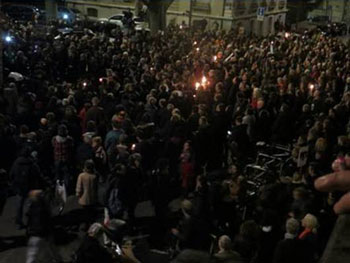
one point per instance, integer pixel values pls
(272, 5)
(92, 12)
(117, 17)
(281, 4)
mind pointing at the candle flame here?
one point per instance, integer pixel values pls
(197, 85)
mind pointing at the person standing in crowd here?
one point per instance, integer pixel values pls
(25, 177)
(100, 157)
(112, 137)
(86, 190)
(131, 185)
(309, 235)
(63, 155)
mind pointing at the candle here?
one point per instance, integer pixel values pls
(197, 85)
(271, 47)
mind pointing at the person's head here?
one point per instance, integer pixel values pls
(87, 139)
(89, 166)
(62, 130)
(306, 108)
(91, 126)
(116, 125)
(96, 142)
(260, 104)
(321, 145)
(238, 120)
(249, 230)
(203, 121)
(309, 221)
(299, 193)
(135, 160)
(24, 130)
(187, 146)
(187, 207)
(292, 226)
(225, 243)
(162, 103)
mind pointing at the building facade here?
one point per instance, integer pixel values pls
(336, 10)
(223, 13)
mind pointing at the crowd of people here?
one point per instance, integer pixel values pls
(148, 116)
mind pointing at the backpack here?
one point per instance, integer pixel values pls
(115, 206)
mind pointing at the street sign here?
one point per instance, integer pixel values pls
(260, 14)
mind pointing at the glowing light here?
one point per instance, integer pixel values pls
(133, 147)
(287, 35)
(195, 43)
(181, 26)
(204, 80)
(65, 16)
(197, 49)
(194, 96)
(312, 86)
(215, 58)
(84, 84)
(197, 85)
(101, 79)
(8, 39)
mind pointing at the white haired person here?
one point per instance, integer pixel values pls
(309, 234)
(226, 254)
(291, 249)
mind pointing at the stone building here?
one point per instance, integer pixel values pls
(223, 13)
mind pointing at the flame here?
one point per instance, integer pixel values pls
(197, 85)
